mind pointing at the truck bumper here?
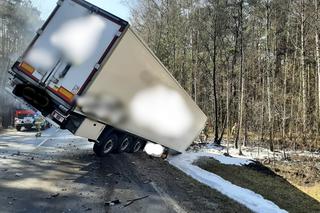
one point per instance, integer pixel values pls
(27, 126)
(71, 122)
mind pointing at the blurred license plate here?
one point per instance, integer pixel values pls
(27, 120)
(58, 116)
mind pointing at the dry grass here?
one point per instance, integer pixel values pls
(313, 191)
(264, 181)
(302, 172)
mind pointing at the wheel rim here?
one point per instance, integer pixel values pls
(108, 146)
(137, 146)
(124, 144)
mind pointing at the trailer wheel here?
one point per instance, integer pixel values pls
(18, 128)
(136, 146)
(124, 143)
(96, 148)
(106, 146)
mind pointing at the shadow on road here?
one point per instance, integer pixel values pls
(72, 180)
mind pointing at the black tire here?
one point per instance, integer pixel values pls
(107, 146)
(124, 143)
(96, 148)
(18, 128)
(136, 146)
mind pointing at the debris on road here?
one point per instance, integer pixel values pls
(113, 203)
(86, 208)
(56, 171)
(19, 174)
(129, 202)
(16, 154)
(147, 181)
(53, 195)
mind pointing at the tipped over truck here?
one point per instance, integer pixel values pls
(90, 73)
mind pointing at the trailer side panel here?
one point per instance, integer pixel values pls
(156, 107)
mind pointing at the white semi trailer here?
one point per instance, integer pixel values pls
(87, 70)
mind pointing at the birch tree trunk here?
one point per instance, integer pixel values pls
(241, 77)
(214, 81)
(234, 61)
(228, 111)
(285, 91)
(269, 74)
(302, 68)
(317, 57)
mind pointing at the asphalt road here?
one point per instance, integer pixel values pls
(59, 173)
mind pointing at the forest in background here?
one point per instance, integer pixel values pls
(253, 66)
(19, 20)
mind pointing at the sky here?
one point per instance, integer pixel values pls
(113, 6)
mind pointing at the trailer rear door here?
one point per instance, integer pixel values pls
(69, 48)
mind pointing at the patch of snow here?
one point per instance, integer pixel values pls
(155, 150)
(229, 160)
(237, 161)
(255, 152)
(248, 198)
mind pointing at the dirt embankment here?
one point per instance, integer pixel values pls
(301, 171)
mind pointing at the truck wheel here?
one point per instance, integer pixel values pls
(124, 143)
(107, 145)
(96, 148)
(136, 146)
(18, 128)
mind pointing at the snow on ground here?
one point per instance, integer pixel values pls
(258, 153)
(57, 133)
(221, 158)
(248, 152)
(248, 198)
(53, 133)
